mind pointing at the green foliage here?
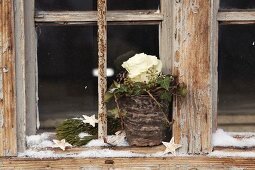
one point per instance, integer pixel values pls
(164, 86)
(165, 81)
(71, 128)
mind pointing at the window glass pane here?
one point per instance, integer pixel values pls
(66, 5)
(237, 4)
(124, 41)
(236, 71)
(85, 5)
(67, 56)
(132, 4)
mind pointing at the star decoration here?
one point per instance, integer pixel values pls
(171, 146)
(62, 144)
(90, 119)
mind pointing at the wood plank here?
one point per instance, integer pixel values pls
(192, 64)
(91, 16)
(234, 149)
(236, 119)
(8, 105)
(19, 30)
(102, 66)
(1, 83)
(166, 35)
(188, 162)
(236, 16)
(31, 69)
(214, 60)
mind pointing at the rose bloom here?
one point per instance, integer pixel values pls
(139, 65)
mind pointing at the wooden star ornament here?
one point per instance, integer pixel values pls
(62, 144)
(90, 119)
(171, 146)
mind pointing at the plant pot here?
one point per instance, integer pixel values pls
(144, 121)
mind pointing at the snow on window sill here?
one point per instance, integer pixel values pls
(233, 139)
(233, 144)
(226, 144)
(41, 146)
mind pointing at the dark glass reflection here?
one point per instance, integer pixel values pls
(124, 41)
(132, 4)
(66, 57)
(66, 5)
(89, 5)
(236, 70)
(237, 4)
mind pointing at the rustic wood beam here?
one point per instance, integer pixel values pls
(193, 114)
(31, 78)
(91, 16)
(197, 162)
(102, 66)
(166, 35)
(8, 142)
(19, 30)
(214, 60)
(236, 16)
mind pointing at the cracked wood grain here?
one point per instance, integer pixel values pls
(102, 66)
(192, 64)
(8, 143)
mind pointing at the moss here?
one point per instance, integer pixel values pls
(71, 128)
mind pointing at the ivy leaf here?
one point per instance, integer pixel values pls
(108, 96)
(114, 112)
(122, 89)
(137, 89)
(166, 96)
(165, 82)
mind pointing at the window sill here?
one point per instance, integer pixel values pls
(187, 162)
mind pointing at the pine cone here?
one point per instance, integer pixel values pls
(121, 77)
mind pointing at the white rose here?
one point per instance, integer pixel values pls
(138, 66)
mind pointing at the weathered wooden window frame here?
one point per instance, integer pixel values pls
(187, 24)
(224, 16)
(229, 16)
(26, 18)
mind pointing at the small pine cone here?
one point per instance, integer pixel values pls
(121, 77)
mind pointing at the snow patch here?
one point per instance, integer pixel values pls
(226, 139)
(93, 153)
(111, 139)
(221, 154)
(82, 135)
(96, 143)
(106, 153)
(39, 141)
(38, 154)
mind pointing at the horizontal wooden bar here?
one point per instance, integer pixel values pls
(236, 119)
(186, 162)
(236, 16)
(91, 16)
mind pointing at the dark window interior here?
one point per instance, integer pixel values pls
(124, 41)
(236, 69)
(67, 56)
(65, 5)
(89, 5)
(237, 4)
(132, 4)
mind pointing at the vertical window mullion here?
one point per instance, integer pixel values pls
(102, 66)
(165, 35)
